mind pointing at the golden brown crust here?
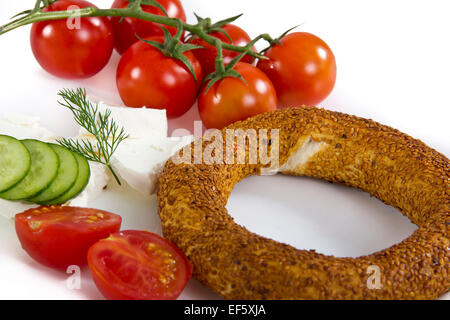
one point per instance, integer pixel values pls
(237, 264)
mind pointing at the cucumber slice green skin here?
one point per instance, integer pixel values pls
(43, 170)
(15, 162)
(65, 178)
(84, 173)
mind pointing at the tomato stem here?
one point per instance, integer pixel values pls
(220, 67)
(134, 11)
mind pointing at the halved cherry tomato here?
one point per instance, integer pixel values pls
(302, 69)
(138, 265)
(126, 29)
(71, 48)
(231, 99)
(61, 236)
(146, 77)
(207, 56)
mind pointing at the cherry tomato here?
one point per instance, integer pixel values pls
(72, 48)
(230, 99)
(302, 69)
(61, 236)
(207, 56)
(125, 31)
(146, 77)
(138, 265)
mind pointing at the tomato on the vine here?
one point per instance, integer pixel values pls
(231, 99)
(75, 47)
(60, 236)
(126, 29)
(302, 69)
(138, 265)
(207, 56)
(148, 78)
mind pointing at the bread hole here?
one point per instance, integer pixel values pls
(314, 214)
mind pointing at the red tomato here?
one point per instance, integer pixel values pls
(61, 236)
(146, 77)
(230, 99)
(302, 69)
(70, 50)
(125, 31)
(138, 265)
(207, 56)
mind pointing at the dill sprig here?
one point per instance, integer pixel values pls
(101, 125)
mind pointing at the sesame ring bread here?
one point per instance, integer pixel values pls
(395, 168)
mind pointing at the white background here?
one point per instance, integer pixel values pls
(393, 67)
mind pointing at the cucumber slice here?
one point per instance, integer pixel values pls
(67, 174)
(15, 161)
(84, 173)
(44, 166)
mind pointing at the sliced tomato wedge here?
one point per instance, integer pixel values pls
(138, 265)
(60, 236)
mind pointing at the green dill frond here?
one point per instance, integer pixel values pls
(102, 126)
